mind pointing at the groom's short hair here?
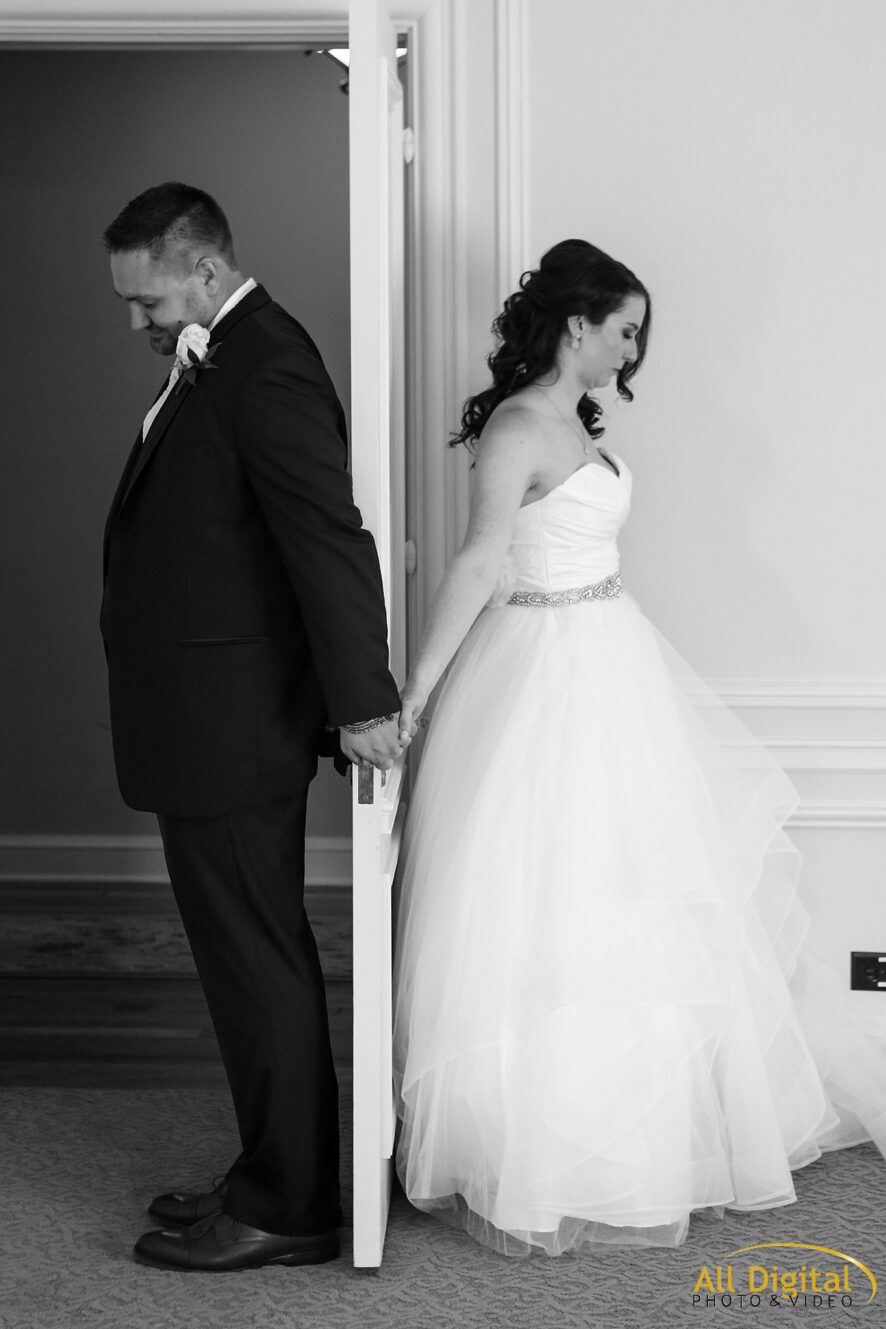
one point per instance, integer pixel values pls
(171, 215)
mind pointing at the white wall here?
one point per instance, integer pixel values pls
(732, 155)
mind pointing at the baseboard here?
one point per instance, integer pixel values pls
(139, 858)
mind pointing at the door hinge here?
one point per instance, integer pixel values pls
(410, 557)
(408, 145)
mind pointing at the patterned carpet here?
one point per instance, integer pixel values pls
(78, 1166)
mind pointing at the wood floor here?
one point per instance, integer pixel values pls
(85, 1002)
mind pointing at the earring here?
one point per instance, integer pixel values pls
(576, 342)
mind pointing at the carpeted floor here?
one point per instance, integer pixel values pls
(78, 1166)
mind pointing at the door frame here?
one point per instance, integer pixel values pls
(466, 205)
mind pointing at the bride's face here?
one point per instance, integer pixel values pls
(606, 346)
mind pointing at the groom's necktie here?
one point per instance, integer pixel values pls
(156, 408)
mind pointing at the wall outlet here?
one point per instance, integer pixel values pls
(869, 971)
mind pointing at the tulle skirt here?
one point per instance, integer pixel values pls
(594, 1034)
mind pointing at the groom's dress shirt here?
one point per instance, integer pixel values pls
(175, 372)
(241, 291)
(155, 410)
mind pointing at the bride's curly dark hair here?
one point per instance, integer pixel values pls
(572, 278)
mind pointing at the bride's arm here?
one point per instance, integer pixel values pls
(507, 460)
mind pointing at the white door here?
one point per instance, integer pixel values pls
(377, 431)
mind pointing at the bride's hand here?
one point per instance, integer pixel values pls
(412, 703)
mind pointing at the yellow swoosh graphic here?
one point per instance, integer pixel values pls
(810, 1246)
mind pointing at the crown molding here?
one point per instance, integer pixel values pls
(184, 23)
(141, 34)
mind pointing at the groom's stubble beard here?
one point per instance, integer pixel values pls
(195, 309)
(162, 341)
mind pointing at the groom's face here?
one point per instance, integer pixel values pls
(164, 295)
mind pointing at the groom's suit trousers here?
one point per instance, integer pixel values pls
(239, 883)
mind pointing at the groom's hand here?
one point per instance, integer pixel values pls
(379, 747)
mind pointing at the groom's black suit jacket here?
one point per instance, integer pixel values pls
(242, 602)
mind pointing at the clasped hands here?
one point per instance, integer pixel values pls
(383, 745)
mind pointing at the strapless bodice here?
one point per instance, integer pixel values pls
(568, 538)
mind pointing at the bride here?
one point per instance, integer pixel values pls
(594, 1034)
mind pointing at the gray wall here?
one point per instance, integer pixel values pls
(80, 134)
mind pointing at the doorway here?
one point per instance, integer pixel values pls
(265, 132)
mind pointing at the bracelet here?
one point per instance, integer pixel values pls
(364, 726)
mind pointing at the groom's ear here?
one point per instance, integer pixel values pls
(207, 271)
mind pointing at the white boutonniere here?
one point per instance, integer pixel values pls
(192, 353)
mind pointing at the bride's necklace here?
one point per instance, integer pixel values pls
(580, 432)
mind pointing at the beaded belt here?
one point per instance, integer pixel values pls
(607, 589)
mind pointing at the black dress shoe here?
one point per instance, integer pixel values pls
(221, 1243)
(187, 1207)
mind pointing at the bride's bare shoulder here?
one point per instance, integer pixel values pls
(513, 426)
(516, 412)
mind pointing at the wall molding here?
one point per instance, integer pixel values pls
(146, 34)
(799, 692)
(438, 295)
(171, 22)
(857, 815)
(835, 756)
(833, 751)
(512, 142)
(139, 859)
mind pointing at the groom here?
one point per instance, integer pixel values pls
(243, 620)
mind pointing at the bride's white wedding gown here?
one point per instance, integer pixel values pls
(594, 1033)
